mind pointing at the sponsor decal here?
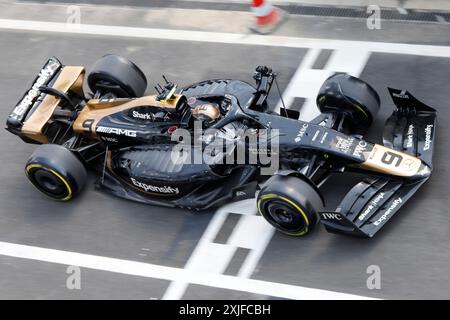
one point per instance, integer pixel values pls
(344, 144)
(331, 216)
(325, 135)
(401, 95)
(157, 189)
(117, 131)
(371, 206)
(410, 136)
(301, 133)
(44, 76)
(109, 139)
(391, 158)
(360, 148)
(394, 205)
(143, 116)
(191, 101)
(316, 135)
(408, 164)
(428, 135)
(88, 124)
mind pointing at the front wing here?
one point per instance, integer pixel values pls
(372, 202)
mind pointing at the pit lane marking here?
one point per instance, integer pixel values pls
(228, 38)
(147, 270)
(252, 232)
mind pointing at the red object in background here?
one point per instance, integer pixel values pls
(267, 17)
(172, 129)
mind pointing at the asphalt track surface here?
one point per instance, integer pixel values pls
(412, 251)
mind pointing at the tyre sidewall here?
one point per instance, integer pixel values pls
(298, 194)
(62, 164)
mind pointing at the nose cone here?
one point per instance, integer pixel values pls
(423, 172)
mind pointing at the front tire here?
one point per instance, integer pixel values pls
(290, 204)
(344, 94)
(56, 172)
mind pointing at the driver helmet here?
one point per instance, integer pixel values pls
(208, 113)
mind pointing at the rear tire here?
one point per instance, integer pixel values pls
(117, 75)
(346, 94)
(290, 204)
(56, 172)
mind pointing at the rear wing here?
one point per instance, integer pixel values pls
(372, 202)
(31, 114)
(33, 96)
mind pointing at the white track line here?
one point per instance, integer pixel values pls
(251, 232)
(176, 289)
(147, 270)
(229, 38)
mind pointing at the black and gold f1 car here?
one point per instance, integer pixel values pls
(101, 120)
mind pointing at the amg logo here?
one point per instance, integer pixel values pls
(331, 216)
(301, 133)
(371, 206)
(388, 211)
(428, 134)
(117, 131)
(410, 136)
(43, 77)
(144, 116)
(149, 187)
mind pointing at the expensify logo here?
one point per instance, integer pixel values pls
(44, 76)
(149, 187)
(428, 137)
(394, 205)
